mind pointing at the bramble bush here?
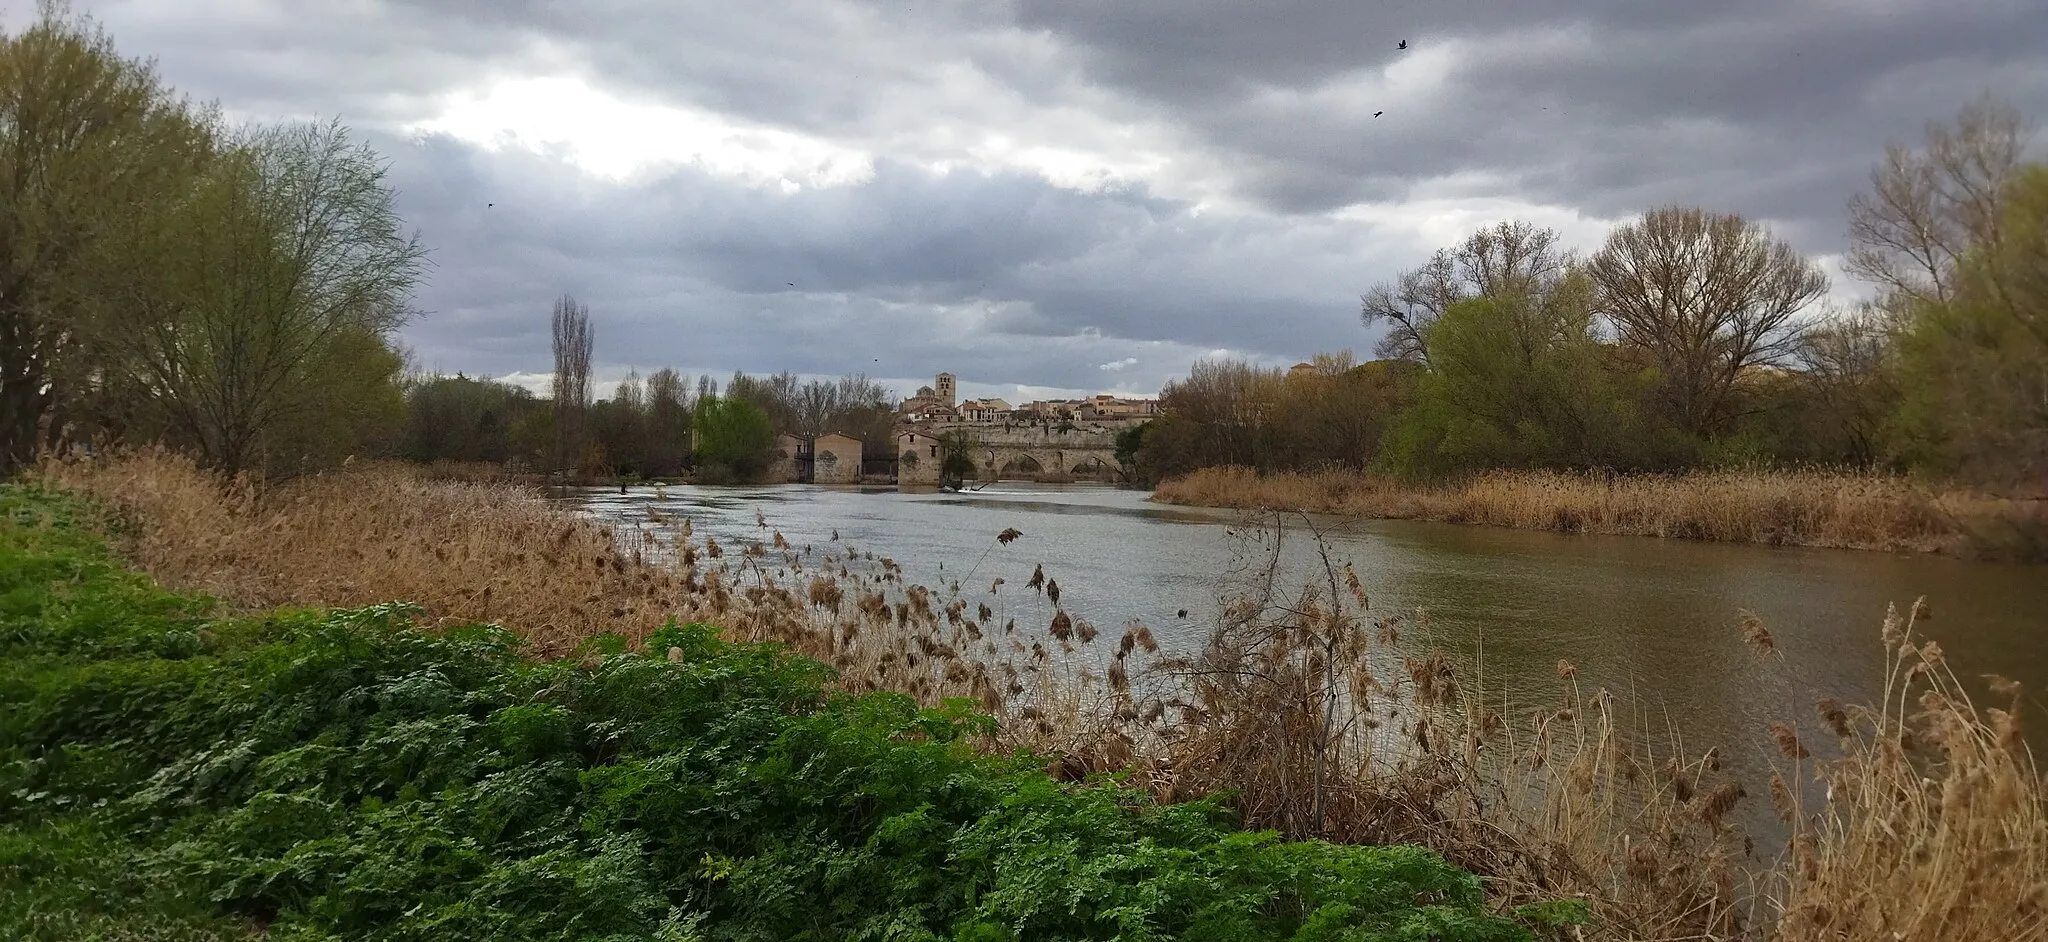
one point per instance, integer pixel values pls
(318, 775)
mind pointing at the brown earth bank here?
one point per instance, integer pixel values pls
(1785, 508)
(1921, 817)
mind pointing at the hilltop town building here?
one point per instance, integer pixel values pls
(938, 404)
(983, 410)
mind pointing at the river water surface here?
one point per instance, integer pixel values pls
(1655, 620)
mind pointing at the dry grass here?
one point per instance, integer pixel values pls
(1933, 824)
(1926, 821)
(482, 552)
(1797, 508)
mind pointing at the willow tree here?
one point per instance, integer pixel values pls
(87, 138)
(258, 335)
(1518, 384)
(1702, 298)
(732, 439)
(1507, 259)
(1976, 366)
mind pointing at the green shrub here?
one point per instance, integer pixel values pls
(346, 775)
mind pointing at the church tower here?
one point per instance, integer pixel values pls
(944, 388)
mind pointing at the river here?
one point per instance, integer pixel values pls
(1654, 620)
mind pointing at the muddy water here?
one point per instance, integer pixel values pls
(1652, 619)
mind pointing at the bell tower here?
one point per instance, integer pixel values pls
(945, 390)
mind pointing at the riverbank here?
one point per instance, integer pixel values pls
(1547, 802)
(1780, 508)
(343, 774)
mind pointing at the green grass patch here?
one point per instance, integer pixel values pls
(167, 775)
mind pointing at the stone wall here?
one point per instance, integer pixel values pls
(918, 458)
(785, 464)
(836, 459)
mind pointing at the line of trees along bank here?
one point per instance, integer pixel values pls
(1685, 341)
(167, 278)
(658, 427)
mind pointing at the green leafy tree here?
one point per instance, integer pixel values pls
(271, 282)
(1509, 258)
(352, 405)
(87, 139)
(733, 439)
(778, 395)
(1975, 368)
(1513, 384)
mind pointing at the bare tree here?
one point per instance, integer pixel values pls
(1705, 296)
(1842, 358)
(86, 137)
(775, 394)
(816, 407)
(1927, 207)
(846, 404)
(572, 337)
(631, 393)
(668, 422)
(1507, 258)
(1234, 403)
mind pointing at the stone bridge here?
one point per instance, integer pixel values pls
(1014, 452)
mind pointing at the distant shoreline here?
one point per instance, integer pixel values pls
(1834, 510)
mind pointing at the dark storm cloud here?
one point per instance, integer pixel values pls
(1038, 283)
(1232, 132)
(1766, 107)
(280, 59)
(1770, 108)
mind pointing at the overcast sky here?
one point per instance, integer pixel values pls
(1053, 195)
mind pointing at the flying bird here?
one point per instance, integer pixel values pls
(1403, 44)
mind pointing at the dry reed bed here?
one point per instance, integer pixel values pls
(467, 551)
(1924, 820)
(1800, 508)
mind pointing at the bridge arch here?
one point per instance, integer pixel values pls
(1022, 466)
(1094, 467)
